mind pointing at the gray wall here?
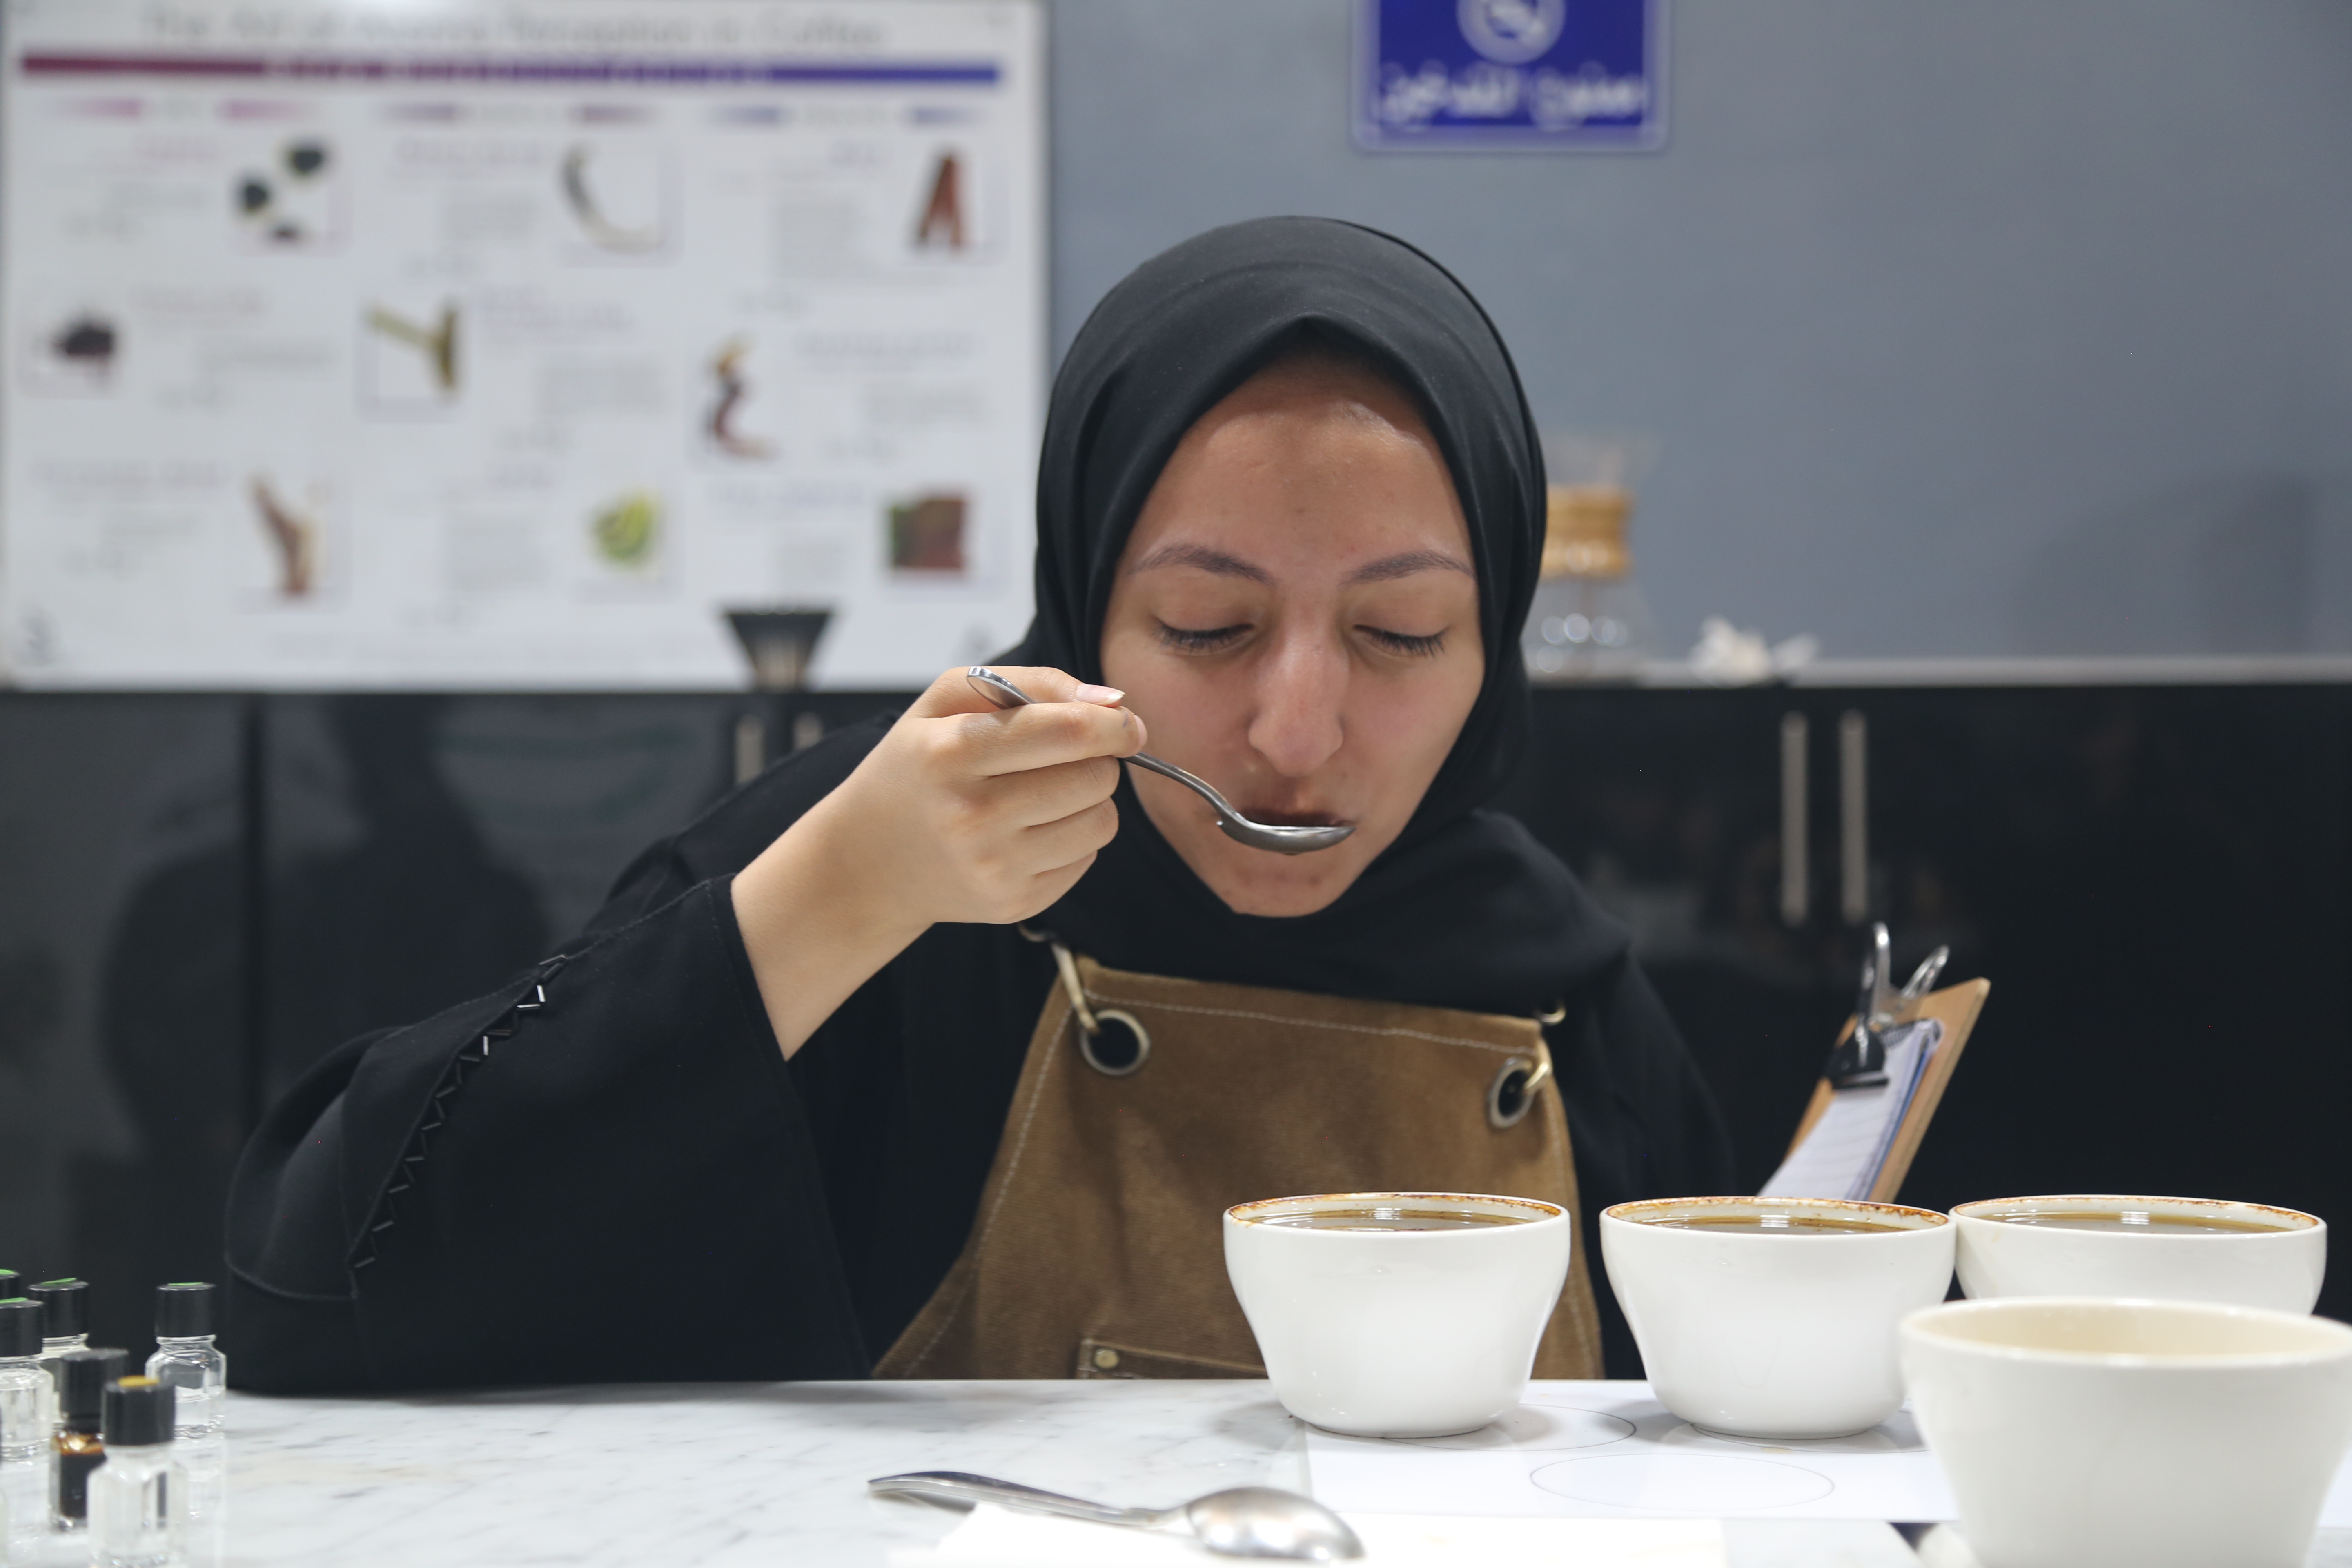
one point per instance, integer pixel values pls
(1966, 327)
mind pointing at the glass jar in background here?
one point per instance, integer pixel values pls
(1589, 621)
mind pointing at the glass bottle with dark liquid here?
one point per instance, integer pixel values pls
(82, 1377)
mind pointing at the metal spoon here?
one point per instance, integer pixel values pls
(1237, 827)
(1241, 1521)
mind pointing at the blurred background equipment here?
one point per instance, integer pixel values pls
(1727, 656)
(1589, 621)
(780, 643)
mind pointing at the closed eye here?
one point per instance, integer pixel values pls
(1401, 642)
(1208, 641)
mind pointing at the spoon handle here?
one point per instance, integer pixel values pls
(1004, 694)
(1207, 791)
(957, 1486)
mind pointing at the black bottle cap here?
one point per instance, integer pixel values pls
(183, 1311)
(12, 1283)
(82, 1377)
(68, 1304)
(20, 1327)
(138, 1410)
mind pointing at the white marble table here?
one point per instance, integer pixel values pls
(737, 1473)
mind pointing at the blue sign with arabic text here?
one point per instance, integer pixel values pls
(1570, 75)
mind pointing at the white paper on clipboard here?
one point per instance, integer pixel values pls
(1841, 1156)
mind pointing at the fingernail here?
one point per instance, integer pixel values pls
(1109, 697)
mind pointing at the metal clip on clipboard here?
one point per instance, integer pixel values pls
(1860, 1059)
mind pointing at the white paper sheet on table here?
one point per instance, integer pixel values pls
(998, 1538)
(1610, 1450)
(1841, 1156)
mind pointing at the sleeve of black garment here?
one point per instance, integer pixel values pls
(617, 1184)
(1640, 1118)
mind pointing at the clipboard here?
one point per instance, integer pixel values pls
(1956, 1008)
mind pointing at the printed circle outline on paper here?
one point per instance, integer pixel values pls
(1535, 1428)
(1704, 1485)
(1511, 32)
(1896, 1434)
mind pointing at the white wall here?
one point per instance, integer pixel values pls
(1970, 327)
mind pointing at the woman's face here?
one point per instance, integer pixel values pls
(1295, 619)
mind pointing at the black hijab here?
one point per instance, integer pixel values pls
(1465, 909)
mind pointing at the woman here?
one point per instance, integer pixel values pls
(936, 1050)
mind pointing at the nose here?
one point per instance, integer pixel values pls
(1300, 686)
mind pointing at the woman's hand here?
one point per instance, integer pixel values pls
(964, 812)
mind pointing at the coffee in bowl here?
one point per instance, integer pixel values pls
(2181, 1249)
(1398, 1314)
(1778, 1220)
(1774, 1317)
(1388, 1217)
(2094, 1432)
(2139, 1220)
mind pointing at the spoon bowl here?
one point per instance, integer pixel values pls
(1239, 1521)
(1274, 837)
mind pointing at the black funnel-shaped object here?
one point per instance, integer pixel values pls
(781, 642)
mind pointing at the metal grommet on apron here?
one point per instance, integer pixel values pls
(1517, 1081)
(1113, 1041)
(1514, 1090)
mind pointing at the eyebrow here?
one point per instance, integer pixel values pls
(1388, 568)
(1206, 559)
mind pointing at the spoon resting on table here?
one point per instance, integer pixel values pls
(1281, 840)
(1240, 1522)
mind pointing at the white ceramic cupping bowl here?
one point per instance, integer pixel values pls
(1399, 1333)
(1774, 1335)
(2280, 1267)
(2093, 1432)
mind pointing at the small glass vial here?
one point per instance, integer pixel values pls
(26, 1391)
(66, 1324)
(138, 1499)
(82, 1377)
(185, 1361)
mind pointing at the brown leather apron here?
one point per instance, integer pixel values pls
(1146, 1107)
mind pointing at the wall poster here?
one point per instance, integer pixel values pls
(1563, 75)
(508, 343)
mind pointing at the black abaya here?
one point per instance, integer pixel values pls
(605, 1170)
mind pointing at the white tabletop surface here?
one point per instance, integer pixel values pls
(737, 1473)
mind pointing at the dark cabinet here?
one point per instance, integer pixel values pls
(2157, 881)
(200, 895)
(203, 893)
(126, 896)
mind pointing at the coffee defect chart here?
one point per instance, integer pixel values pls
(467, 345)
